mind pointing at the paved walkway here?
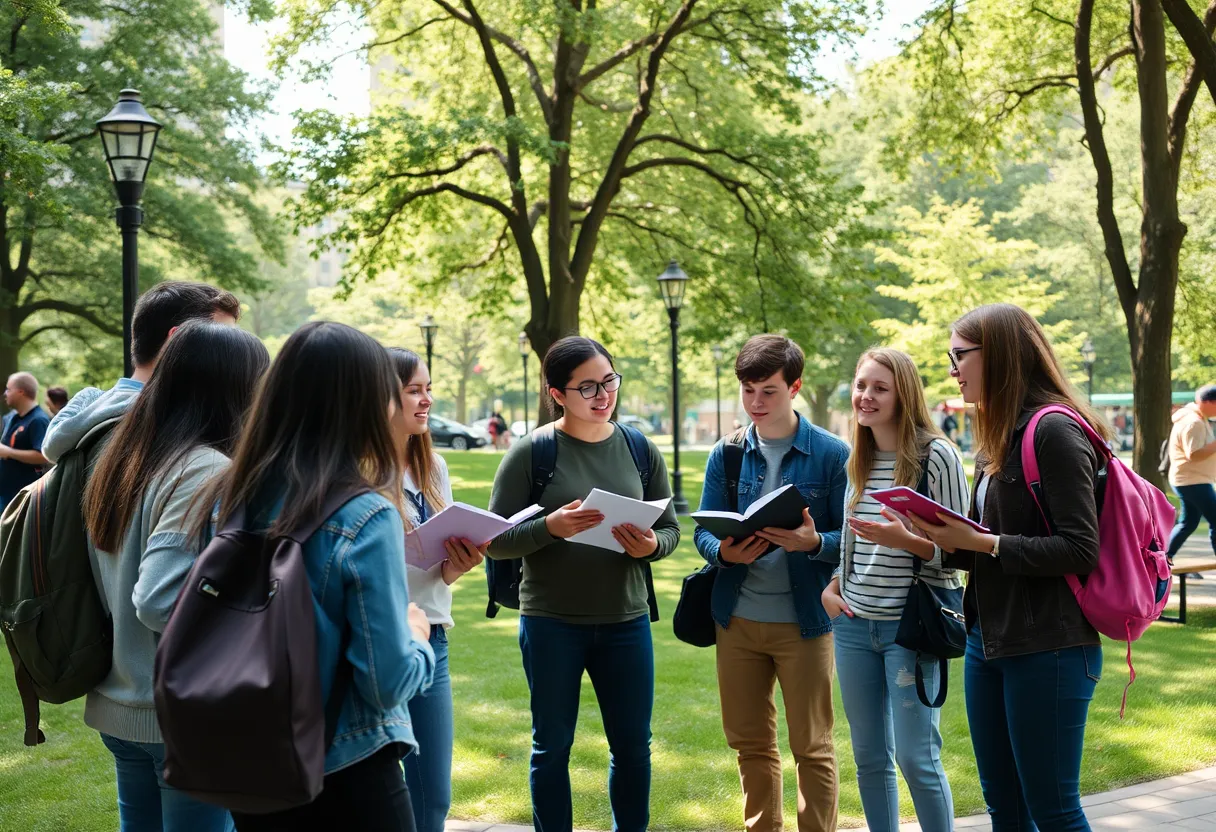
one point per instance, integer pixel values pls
(1185, 802)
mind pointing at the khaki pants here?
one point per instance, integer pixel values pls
(751, 657)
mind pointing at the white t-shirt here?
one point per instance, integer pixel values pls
(427, 587)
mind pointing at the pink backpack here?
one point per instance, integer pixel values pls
(1130, 586)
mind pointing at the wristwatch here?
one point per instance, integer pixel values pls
(996, 546)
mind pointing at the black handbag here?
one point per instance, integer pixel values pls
(693, 622)
(932, 624)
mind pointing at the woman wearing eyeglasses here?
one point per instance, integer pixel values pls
(584, 608)
(1033, 660)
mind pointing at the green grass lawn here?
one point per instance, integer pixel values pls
(67, 784)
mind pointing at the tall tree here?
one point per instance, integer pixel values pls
(987, 73)
(647, 130)
(59, 261)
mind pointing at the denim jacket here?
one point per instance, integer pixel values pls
(816, 466)
(356, 565)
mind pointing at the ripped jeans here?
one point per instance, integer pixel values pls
(889, 725)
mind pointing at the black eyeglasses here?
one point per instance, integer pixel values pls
(592, 388)
(956, 354)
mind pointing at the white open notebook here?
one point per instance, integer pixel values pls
(424, 545)
(617, 510)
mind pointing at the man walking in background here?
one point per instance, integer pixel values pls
(56, 400)
(21, 459)
(1192, 450)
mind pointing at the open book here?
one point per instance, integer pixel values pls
(782, 509)
(424, 545)
(617, 510)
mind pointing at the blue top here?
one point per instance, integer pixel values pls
(21, 433)
(356, 565)
(816, 466)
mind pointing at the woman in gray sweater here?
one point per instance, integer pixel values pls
(139, 506)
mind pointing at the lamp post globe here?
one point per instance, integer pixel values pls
(429, 328)
(128, 139)
(672, 283)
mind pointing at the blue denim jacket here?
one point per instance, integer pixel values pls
(816, 466)
(356, 564)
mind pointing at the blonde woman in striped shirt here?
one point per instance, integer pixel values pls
(894, 440)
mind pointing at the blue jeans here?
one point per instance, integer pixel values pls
(889, 725)
(1198, 502)
(619, 658)
(1027, 716)
(147, 804)
(428, 771)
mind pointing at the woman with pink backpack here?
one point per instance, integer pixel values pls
(1033, 659)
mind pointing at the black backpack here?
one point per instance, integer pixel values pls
(1163, 459)
(693, 622)
(55, 622)
(503, 577)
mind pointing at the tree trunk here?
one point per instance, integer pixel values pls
(1151, 390)
(462, 389)
(10, 348)
(820, 414)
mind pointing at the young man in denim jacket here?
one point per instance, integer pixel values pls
(770, 622)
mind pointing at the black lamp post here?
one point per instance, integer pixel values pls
(429, 328)
(128, 136)
(671, 284)
(523, 354)
(1088, 356)
(717, 352)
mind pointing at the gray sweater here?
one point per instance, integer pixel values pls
(138, 584)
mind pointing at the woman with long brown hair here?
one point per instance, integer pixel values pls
(1032, 660)
(324, 423)
(894, 443)
(429, 489)
(138, 509)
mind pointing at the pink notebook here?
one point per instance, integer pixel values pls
(907, 501)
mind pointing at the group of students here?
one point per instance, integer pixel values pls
(208, 425)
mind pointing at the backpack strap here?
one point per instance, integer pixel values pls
(732, 465)
(1030, 462)
(544, 460)
(922, 488)
(29, 699)
(639, 449)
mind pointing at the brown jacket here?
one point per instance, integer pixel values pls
(1020, 601)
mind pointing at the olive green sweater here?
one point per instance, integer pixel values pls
(577, 583)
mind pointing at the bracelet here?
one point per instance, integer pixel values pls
(996, 546)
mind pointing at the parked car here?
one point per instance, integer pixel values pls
(637, 422)
(454, 435)
(518, 428)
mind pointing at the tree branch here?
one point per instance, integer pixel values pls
(1181, 113)
(1095, 140)
(1110, 59)
(489, 255)
(25, 310)
(442, 187)
(474, 20)
(461, 161)
(1198, 39)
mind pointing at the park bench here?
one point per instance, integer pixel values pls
(1180, 573)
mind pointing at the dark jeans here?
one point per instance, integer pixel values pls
(369, 796)
(619, 658)
(1198, 502)
(428, 771)
(1027, 716)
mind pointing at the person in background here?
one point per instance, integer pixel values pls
(175, 436)
(21, 458)
(949, 425)
(428, 771)
(158, 314)
(1192, 450)
(502, 439)
(1033, 660)
(301, 444)
(584, 609)
(894, 443)
(767, 608)
(56, 400)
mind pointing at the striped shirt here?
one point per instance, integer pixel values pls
(875, 578)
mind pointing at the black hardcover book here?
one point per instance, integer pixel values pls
(782, 509)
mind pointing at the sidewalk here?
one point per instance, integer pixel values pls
(1184, 802)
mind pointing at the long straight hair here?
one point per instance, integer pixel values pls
(320, 423)
(914, 426)
(1020, 373)
(197, 397)
(419, 455)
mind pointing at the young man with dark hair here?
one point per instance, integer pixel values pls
(158, 314)
(771, 625)
(56, 399)
(21, 459)
(1192, 450)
